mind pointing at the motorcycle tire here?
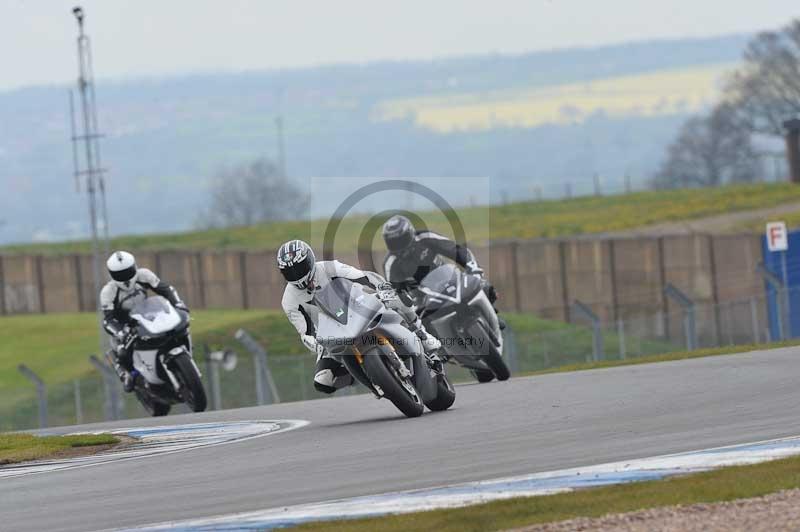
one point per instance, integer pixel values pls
(491, 356)
(379, 370)
(445, 395)
(154, 408)
(192, 387)
(482, 375)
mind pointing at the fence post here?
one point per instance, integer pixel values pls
(689, 318)
(263, 375)
(214, 386)
(597, 331)
(2, 288)
(109, 387)
(510, 348)
(76, 387)
(780, 297)
(40, 284)
(754, 320)
(41, 392)
(623, 351)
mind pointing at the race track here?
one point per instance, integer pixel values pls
(357, 445)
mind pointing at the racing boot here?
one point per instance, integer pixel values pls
(126, 376)
(429, 342)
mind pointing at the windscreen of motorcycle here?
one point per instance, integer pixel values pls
(348, 305)
(155, 315)
(443, 283)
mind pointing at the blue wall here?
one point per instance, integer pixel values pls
(773, 262)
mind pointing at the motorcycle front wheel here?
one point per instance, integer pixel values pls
(491, 355)
(399, 391)
(191, 386)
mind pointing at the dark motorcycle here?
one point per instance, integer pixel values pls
(457, 311)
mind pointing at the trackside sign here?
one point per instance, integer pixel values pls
(777, 237)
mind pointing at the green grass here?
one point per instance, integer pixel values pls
(57, 346)
(518, 220)
(22, 447)
(791, 219)
(724, 484)
(664, 357)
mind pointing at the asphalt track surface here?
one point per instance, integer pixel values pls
(357, 445)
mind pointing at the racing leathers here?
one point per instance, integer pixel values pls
(298, 304)
(116, 302)
(407, 268)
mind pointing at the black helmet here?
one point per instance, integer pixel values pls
(296, 262)
(398, 233)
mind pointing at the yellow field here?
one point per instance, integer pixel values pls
(657, 93)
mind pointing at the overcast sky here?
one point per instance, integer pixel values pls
(160, 37)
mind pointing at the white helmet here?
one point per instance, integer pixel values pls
(122, 268)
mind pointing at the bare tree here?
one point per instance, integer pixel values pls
(766, 89)
(710, 151)
(253, 193)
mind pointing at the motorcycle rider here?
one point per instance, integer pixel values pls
(304, 276)
(413, 254)
(128, 287)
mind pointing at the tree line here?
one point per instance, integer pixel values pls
(722, 146)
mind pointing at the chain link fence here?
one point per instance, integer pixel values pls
(261, 378)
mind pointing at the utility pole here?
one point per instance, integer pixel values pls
(91, 167)
(281, 146)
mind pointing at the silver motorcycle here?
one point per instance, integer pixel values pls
(372, 342)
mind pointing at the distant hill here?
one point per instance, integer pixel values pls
(522, 120)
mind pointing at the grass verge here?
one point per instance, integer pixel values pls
(720, 485)
(665, 357)
(524, 220)
(16, 448)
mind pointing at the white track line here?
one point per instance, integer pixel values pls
(504, 488)
(162, 440)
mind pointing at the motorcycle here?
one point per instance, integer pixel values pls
(165, 371)
(455, 309)
(378, 350)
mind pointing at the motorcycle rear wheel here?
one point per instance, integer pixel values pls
(482, 375)
(445, 395)
(154, 408)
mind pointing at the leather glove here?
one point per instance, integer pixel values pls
(386, 292)
(474, 269)
(122, 334)
(180, 305)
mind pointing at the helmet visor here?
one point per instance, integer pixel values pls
(295, 272)
(125, 275)
(400, 241)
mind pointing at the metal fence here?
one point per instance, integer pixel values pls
(262, 378)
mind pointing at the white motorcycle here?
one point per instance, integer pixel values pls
(165, 372)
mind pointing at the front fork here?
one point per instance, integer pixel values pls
(166, 358)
